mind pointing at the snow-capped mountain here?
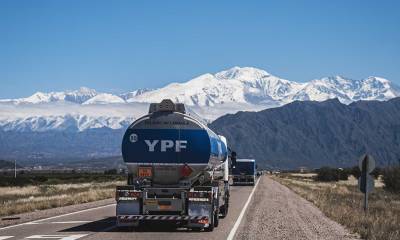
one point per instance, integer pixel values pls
(129, 95)
(66, 122)
(77, 96)
(104, 98)
(208, 95)
(347, 90)
(236, 85)
(255, 86)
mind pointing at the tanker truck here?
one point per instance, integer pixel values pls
(178, 171)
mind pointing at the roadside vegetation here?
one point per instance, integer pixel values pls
(37, 191)
(336, 193)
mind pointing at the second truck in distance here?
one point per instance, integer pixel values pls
(244, 172)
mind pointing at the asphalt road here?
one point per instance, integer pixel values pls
(99, 222)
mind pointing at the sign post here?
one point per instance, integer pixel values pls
(15, 168)
(366, 181)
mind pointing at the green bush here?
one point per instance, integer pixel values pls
(355, 171)
(327, 174)
(377, 171)
(111, 171)
(391, 179)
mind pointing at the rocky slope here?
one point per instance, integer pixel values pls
(315, 134)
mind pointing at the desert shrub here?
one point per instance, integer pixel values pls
(111, 171)
(343, 174)
(40, 179)
(327, 174)
(355, 171)
(391, 179)
(377, 171)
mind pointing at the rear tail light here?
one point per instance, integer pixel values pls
(203, 221)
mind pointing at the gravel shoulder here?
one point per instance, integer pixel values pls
(32, 216)
(278, 213)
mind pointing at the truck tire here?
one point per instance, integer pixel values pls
(224, 210)
(216, 211)
(211, 225)
(216, 218)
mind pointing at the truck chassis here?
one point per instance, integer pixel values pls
(198, 207)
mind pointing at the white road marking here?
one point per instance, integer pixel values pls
(239, 220)
(69, 222)
(59, 237)
(5, 237)
(63, 215)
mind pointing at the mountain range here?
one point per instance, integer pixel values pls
(236, 85)
(85, 123)
(209, 96)
(315, 134)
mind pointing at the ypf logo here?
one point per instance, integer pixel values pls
(133, 138)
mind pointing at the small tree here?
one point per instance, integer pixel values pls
(111, 171)
(391, 179)
(355, 171)
(327, 174)
(377, 171)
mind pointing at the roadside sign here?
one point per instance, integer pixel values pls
(366, 184)
(368, 162)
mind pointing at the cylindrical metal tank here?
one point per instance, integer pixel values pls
(174, 145)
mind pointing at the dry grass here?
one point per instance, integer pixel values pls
(343, 202)
(14, 200)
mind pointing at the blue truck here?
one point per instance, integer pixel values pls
(178, 171)
(244, 172)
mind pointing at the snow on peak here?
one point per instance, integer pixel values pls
(127, 96)
(39, 97)
(235, 85)
(77, 96)
(104, 98)
(242, 73)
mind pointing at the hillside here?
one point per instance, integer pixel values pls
(7, 164)
(314, 134)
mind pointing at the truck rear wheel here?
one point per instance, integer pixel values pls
(224, 210)
(210, 227)
(216, 218)
(213, 219)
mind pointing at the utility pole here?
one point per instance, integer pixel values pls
(15, 168)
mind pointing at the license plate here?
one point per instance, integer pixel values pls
(164, 207)
(145, 172)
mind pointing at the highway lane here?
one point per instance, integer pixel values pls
(99, 223)
(278, 213)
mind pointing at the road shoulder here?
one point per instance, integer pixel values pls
(276, 212)
(40, 214)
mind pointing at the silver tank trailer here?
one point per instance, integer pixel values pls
(170, 147)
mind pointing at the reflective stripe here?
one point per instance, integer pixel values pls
(161, 217)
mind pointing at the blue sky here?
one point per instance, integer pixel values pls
(118, 46)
